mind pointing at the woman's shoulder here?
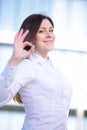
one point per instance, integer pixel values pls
(25, 62)
(25, 69)
(25, 65)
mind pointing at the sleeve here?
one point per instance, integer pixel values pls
(6, 79)
(12, 79)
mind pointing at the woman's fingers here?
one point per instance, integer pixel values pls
(20, 36)
(22, 49)
(26, 43)
(23, 35)
(30, 51)
(28, 46)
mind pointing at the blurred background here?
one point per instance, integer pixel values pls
(69, 54)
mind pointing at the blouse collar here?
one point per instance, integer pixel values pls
(39, 59)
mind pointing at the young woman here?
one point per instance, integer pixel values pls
(31, 79)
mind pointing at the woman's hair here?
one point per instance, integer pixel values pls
(31, 23)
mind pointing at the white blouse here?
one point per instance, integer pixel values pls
(45, 92)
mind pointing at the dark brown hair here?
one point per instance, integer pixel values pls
(31, 23)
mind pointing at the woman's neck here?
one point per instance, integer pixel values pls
(44, 55)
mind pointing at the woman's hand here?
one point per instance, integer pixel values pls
(19, 52)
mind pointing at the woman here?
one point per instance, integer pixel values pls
(31, 79)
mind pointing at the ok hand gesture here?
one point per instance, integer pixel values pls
(19, 52)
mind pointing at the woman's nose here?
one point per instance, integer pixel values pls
(48, 34)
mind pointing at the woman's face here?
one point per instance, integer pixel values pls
(45, 38)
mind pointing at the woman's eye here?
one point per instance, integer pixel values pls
(51, 30)
(41, 31)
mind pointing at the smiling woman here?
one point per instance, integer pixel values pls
(45, 37)
(31, 78)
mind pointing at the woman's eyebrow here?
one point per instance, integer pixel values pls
(45, 27)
